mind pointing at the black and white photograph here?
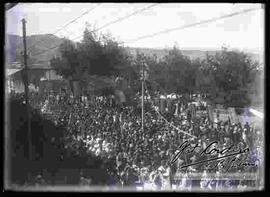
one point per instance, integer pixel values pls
(159, 97)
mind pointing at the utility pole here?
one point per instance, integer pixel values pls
(25, 72)
(142, 97)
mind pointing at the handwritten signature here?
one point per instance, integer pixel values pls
(213, 153)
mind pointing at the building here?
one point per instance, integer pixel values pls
(38, 75)
(14, 82)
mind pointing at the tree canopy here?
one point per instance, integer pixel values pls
(94, 55)
(222, 75)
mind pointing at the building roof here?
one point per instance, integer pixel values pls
(12, 71)
(14, 65)
(41, 66)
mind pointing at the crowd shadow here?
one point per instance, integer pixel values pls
(52, 163)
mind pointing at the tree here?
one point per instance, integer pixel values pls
(98, 55)
(180, 76)
(156, 74)
(174, 73)
(232, 75)
(68, 64)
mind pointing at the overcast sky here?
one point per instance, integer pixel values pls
(245, 31)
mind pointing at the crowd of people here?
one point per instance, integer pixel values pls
(139, 158)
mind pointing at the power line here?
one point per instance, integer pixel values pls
(69, 23)
(127, 16)
(120, 19)
(190, 25)
(106, 25)
(77, 18)
(46, 50)
(164, 31)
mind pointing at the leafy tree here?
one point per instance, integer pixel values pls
(226, 72)
(156, 74)
(67, 65)
(98, 55)
(179, 75)
(232, 75)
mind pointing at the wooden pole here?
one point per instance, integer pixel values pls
(26, 92)
(142, 97)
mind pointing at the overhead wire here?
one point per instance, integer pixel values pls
(160, 32)
(106, 25)
(119, 19)
(66, 25)
(191, 25)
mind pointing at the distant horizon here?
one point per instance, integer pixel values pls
(191, 26)
(255, 51)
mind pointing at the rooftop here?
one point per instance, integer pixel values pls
(43, 65)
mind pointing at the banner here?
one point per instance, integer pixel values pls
(210, 113)
(233, 115)
(76, 88)
(162, 105)
(119, 96)
(223, 115)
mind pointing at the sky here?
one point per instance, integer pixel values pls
(244, 31)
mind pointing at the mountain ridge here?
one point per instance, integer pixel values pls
(42, 42)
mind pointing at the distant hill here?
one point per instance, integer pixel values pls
(35, 43)
(160, 53)
(192, 54)
(14, 46)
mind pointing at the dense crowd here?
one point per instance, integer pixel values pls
(142, 159)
